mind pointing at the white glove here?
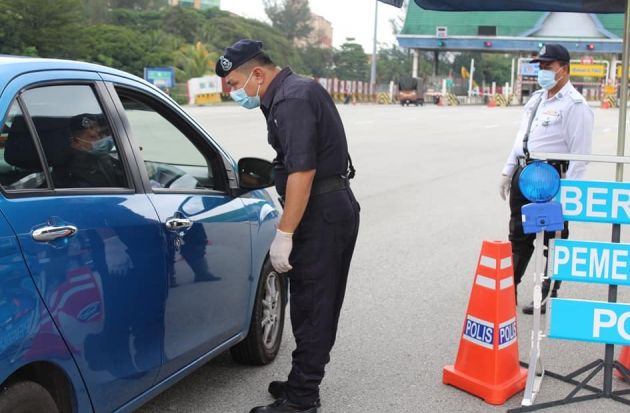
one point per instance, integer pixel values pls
(504, 186)
(116, 257)
(280, 250)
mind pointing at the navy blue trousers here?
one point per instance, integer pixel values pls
(323, 245)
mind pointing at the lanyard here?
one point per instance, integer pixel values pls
(529, 128)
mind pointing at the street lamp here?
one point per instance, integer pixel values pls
(373, 72)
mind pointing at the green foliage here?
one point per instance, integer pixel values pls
(318, 61)
(290, 17)
(193, 61)
(42, 25)
(392, 64)
(351, 62)
(489, 67)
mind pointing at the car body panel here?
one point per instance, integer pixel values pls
(27, 332)
(130, 333)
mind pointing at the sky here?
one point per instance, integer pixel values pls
(349, 18)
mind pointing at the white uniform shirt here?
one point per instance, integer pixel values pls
(562, 124)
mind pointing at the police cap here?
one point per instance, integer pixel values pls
(552, 52)
(237, 54)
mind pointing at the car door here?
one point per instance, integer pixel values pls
(207, 231)
(94, 251)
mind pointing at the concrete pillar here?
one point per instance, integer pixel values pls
(416, 58)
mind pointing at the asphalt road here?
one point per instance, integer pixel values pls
(427, 183)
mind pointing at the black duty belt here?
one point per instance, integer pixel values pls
(561, 166)
(325, 185)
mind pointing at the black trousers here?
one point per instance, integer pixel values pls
(323, 245)
(523, 244)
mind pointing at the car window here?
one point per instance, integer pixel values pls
(76, 137)
(20, 164)
(171, 160)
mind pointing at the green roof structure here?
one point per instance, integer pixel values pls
(510, 31)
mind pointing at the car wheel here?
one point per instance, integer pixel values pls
(265, 332)
(26, 397)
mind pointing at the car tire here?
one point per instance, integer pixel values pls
(265, 332)
(26, 397)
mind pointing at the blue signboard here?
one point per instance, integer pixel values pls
(592, 321)
(591, 262)
(530, 69)
(162, 77)
(595, 201)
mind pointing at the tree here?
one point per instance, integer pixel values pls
(318, 61)
(291, 17)
(393, 64)
(489, 67)
(351, 62)
(194, 61)
(49, 28)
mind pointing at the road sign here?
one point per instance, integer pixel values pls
(162, 77)
(594, 321)
(588, 70)
(590, 262)
(595, 201)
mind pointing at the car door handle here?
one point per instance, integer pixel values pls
(51, 233)
(176, 224)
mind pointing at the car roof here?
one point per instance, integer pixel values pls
(12, 66)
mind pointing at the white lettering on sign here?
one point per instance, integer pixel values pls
(592, 201)
(591, 262)
(570, 198)
(619, 203)
(599, 268)
(561, 257)
(578, 261)
(619, 264)
(603, 319)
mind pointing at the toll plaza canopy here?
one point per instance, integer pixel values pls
(510, 31)
(584, 6)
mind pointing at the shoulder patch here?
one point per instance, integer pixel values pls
(575, 96)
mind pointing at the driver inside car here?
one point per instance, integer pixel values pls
(90, 164)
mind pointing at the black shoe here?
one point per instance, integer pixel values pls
(284, 406)
(277, 390)
(529, 309)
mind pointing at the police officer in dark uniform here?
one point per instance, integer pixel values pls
(318, 229)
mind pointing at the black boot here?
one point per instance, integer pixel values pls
(277, 390)
(284, 406)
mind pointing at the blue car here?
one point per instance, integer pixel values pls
(133, 248)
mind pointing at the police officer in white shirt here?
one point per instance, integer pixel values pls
(557, 119)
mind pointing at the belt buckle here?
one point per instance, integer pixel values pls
(522, 162)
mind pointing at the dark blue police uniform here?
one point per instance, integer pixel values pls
(306, 131)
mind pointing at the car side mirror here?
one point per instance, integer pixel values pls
(255, 173)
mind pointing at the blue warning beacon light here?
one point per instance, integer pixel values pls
(540, 182)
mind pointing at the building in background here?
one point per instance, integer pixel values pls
(197, 4)
(321, 36)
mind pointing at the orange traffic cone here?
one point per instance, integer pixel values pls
(492, 103)
(605, 104)
(624, 359)
(487, 362)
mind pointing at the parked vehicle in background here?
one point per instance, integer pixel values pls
(410, 91)
(133, 248)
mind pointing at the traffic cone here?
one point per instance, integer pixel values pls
(492, 103)
(487, 363)
(605, 104)
(624, 359)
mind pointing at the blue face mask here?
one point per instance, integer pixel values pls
(240, 96)
(547, 79)
(102, 146)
